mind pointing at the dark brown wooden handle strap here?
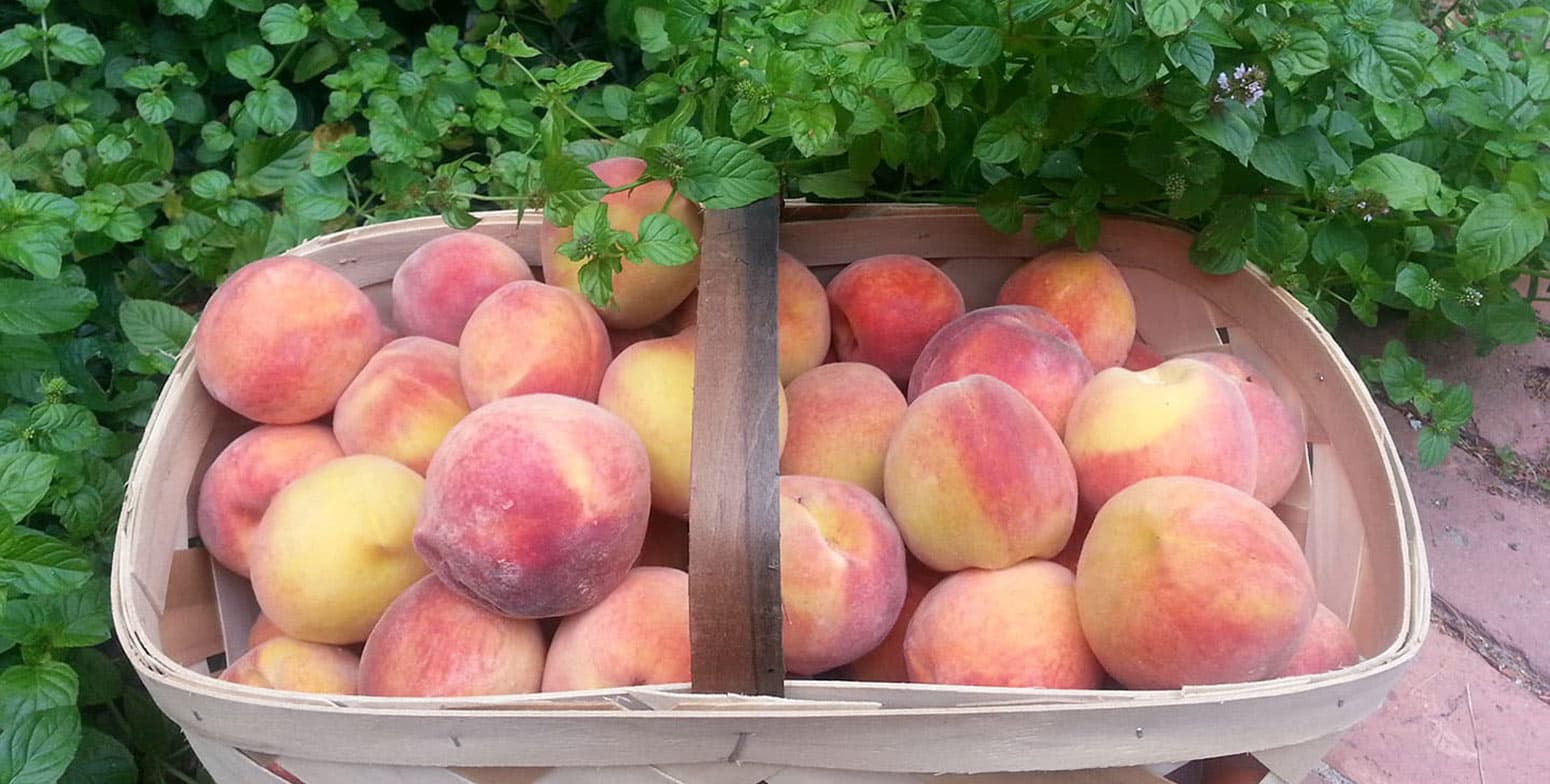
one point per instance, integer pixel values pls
(734, 500)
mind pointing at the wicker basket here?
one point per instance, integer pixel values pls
(178, 614)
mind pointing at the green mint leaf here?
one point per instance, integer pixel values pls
(213, 184)
(30, 307)
(29, 688)
(1454, 408)
(266, 165)
(1407, 184)
(155, 108)
(459, 218)
(1087, 228)
(36, 748)
(77, 619)
(913, 96)
(155, 327)
(840, 184)
(251, 64)
(35, 231)
(101, 759)
(1336, 239)
(1000, 207)
(194, 8)
(143, 77)
(1001, 140)
(1497, 234)
(1286, 158)
(1193, 53)
(568, 185)
(272, 107)
(1401, 120)
(1392, 65)
(1222, 246)
(1233, 127)
(651, 29)
(596, 279)
(24, 480)
(811, 126)
(334, 157)
(65, 428)
(1414, 283)
(965, 33)
(726, 173)
(282, 24)
(1169, 17)
(1433, 447)
(317, 198)
(73, 44)
(1278, 238)
(1306, 54)
(16, 44)
(1511, 321)
(664, 240)
(580, 74)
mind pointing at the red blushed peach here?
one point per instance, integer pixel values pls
(287, 664)
(802, 324)
(841, 417)
(262, 631)
(883, 310)
(1084, 291)
(535, 506)
(650, 385)
(441, 282)
(432, 642)
(1327, 645)
(1142, 357)
(885, 663)
(531, 337)
(1016, 626)
(403, 402)
(667, 543)
(282, 337)
(643, 293)
(333, 549)
(1185, 581)
(1281, 442)
(842, 573)
(1181, 418)
(637, 636)
(975, 476)
(1046, 367)
(244, 477)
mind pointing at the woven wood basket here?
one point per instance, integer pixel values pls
(179, 616)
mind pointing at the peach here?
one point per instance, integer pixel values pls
(262, 631)
(333, 550)
(403, 402)
(802, 324)
(885, 663)
(841, 418)
(441, 282)
(667, 543)
(432, 642)
(1181, 418)
(282, 337)
(532, 337)
(643, 293)
(1142, 357)
(1016, 626)
(883, 310)
(535, 506)
(1281, 442)
(1084, 291)
(650, 385)
(842, 573)
(287, 664)
(975, 476)
(636, 636)
(1327, 645)
(1227, 594)
(243, 479)
(1018, 344)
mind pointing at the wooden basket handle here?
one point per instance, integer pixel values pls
(734, 498)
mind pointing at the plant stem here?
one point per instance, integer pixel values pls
(43, 22)
(285, 59)
(561, 102)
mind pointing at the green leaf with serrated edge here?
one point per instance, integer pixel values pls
(73, 44)
(1511, 321)
(1286, 158)
(1401, 120)
(250, 63)
(265, 165)
(64, 428)
(1000, 207)
(1392, 65)
(580, 74)
(35, 231)
(726, 173)
(459, 218)
(36, 748)
(965, 33)
(1497, 234)
(24, 480)
(1414, 282)
(15, 45)
(568, 185)
(1335, 238)
(29, 307)
(664, 240)
(596, 279)
(1169, 17)
(811, 126)
(282, 24)
(1433, 447)
(272, 107)
(1222, 246)
(1306, 54)
(32, 562)
(1231, 126)
(77, 619)
(155, 327)
(29, 688)
(317, 198)
(1405, 183)
(1454, 408)
(1194, 54)
(212, 184)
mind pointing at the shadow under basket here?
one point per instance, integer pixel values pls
(181, 617)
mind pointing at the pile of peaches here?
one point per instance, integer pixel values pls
(482, 487)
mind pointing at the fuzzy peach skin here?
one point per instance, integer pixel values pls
(667, 543)
(403, 402)
(1084, 291)
(637, 636)
(282, 337)
(532, 337)
(1142, 357)
(1016, 626)
(650, 385)
(1186, 581)
(441, 282)
(885, 663)
(643, 293)
(334, 550)
(262, 631)
(842, 573)
(1281, 442)
(287, 664)
(1181, 418)
(536, 506)
(1327, 645)
(432, 642)
(244, 477)
(975, 476)
(883, 310)
(1044, 365)
(841, 418)
(802, 324)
